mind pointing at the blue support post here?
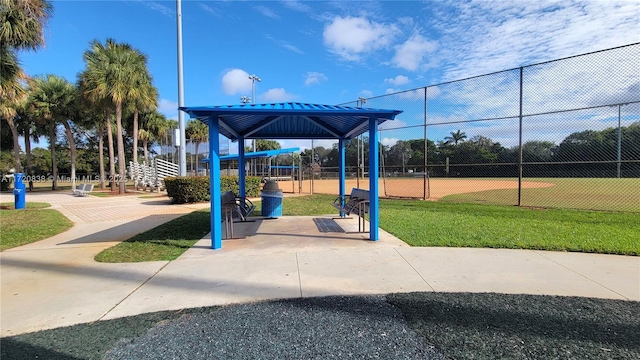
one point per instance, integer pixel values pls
(242, 187)
(373, 178)
(214, 183)
(341, 173)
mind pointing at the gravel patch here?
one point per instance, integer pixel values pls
(313, 328)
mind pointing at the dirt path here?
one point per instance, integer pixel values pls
(404, 187)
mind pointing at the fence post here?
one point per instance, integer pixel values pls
(425, 193)
(520, 144)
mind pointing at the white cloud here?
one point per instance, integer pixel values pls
(366, 93)
(410, 55)
(236, 81)
(209, 9)
(277, 95)
(389, 141)
(398, 80)
(297, 6)
(352, 37)
(168, 108)
(392, 124)
(490, 36)
(164, 10)
(314, 77)
(268, 12)
(285, 44)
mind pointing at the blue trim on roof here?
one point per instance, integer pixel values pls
(290, 120)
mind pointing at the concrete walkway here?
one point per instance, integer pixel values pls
(55, 282)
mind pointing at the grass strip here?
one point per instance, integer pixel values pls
(427, 223)
(460, 325)
(162, 243)
(36, 222)
(568, 193)
(500, 326)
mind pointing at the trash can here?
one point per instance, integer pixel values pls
(271, 197)
(19, 191)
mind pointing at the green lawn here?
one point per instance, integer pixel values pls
(36, 222)
(568, 193)
(424, 223)
(427, 223)
(165, 242)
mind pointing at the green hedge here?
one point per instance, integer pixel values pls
(190, 189)
(251, 186)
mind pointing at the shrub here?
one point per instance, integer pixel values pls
(187, 189)
(230, 183)
(190, 189)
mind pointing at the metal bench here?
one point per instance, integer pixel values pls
(78, 189)
(357, 202)
(83, 191)
(234, 207)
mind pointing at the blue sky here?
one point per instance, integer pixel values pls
(329, 51)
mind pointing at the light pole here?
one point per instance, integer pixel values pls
(619, 155)
(244, 100)
(182, 155)
(253, 79)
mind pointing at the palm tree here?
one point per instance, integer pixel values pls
(21, 28)
(455, 137)
(22, 23)
(154, 124)
(144, 97)
(197, 131)
(31, 130)
(53, 99)
(92, 87)
(114, 72)
(12, 94)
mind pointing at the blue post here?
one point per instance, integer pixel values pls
(19, 191)
(242, 187)
(214, 182)
(341, 172)
(373, 178)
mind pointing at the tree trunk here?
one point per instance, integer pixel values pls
(146, 152)
(135, 136)
(100, 152)
(72, 148)
(54, 162)
(112, 157)
(27, 149)
(121, 159)
(197, 162)
(16, 145)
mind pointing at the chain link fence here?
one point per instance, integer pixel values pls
(563, 133)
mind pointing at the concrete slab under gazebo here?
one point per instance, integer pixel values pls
(289, 121)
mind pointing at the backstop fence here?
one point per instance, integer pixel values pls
(563, 133)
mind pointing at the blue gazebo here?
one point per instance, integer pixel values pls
(289, 121)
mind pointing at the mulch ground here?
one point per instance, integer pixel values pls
(396, 326)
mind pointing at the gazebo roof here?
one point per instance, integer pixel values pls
(290, 120)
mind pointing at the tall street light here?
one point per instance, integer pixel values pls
(181, 122)
(253, 79)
